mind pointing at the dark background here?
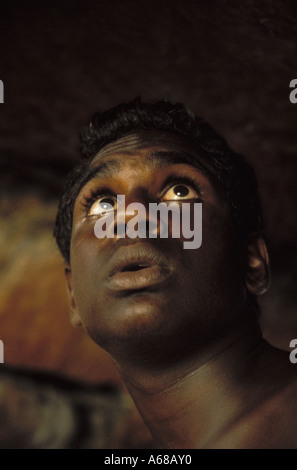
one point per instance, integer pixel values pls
(60, 61)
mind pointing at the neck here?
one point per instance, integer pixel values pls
(193, 403)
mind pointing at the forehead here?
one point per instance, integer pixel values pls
(155, 149)
(144, 139)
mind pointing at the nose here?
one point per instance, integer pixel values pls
(132, 218)
(143, 218)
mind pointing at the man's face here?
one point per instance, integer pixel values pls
(152, 294)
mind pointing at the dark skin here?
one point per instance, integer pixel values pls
(179, 328)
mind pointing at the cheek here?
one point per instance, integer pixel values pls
(86, 259)
(85, 246)
(219, 261)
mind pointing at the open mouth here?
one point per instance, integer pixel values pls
(134, 267)
(137, 267)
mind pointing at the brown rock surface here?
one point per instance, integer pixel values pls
(34, 321)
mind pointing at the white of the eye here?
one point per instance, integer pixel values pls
(179, 196)
(100, 207)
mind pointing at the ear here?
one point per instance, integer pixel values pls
(74, 316)
(258, 272)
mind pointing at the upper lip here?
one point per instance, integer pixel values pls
(132, 257)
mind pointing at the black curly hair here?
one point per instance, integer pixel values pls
(235, 176)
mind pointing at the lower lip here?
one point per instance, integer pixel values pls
(134, 280)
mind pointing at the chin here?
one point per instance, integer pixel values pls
(142, 312)
(135, 319)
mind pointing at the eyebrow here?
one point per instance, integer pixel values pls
(103, 169)
(156, 160)
(161, 159)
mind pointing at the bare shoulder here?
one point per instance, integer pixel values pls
(270, 423)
